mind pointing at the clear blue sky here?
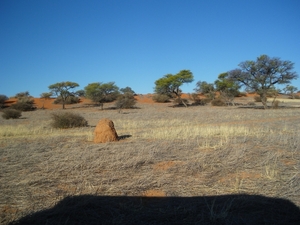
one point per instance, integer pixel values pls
(135, 42)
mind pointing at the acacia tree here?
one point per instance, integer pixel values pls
(227, 87)
(102, 92)
(289, 89)
(170, 84)
(127, 90)
(45, 95)
(206, 88)
(261, 75)
(62, 90)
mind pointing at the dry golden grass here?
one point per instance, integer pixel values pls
(177, 152)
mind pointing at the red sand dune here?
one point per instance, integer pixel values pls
(48, 103)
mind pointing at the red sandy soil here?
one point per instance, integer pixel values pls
(84, 102)
(49, 103)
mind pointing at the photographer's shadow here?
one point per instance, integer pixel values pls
(226, 209)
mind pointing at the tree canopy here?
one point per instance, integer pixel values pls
(170, 84)
(263, 74)
(227, 87)
(62, 90)
(127, 90)
(102, 92)
(205, 88)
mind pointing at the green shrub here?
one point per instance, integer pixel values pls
(70, 100)
(11, 114)
(161, 98)
(218, 102)
(67, 120)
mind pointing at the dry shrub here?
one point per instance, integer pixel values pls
(296, 96)
(11, 114)
(218, 102)
(180, 101)
(69, 100)
(24, 104)
(197, 100)
(161, 98)
(3, 98)
(275, 104)
(125, 101)
(257, 98)
(68, 120)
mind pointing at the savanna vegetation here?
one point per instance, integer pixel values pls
(188, 165)
(238, 153)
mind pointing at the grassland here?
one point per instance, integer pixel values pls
(163, 151)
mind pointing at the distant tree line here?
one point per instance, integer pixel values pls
(260, 76)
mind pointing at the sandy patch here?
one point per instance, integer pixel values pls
(241, 176)
(165, 165)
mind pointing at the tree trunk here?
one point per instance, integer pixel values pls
(180, 100)
(263, 97)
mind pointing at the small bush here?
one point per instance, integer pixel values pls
(161, 98)
(67, 120)
(257, 98)
(22, 106)
(125, 101)
(218, 102)
(297, 96)
(70, 100)
(275, 104)
(11, 114)
(179, 102)
(206, 100)
(196, 99)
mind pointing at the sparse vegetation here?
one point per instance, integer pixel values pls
(263, 74)
(170, 84)
(125, 101)
(275, 104)
(223, 157)
(44, 96)
(161, 98)
(11, 114)
(67, 120)
(180, 102)
(102, 92)
(257, 98)
(63, 90)
(218, 102)
(197, 100)
(68, 101)
(24, 103)
(3, 98)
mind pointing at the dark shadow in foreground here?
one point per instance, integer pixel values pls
(227, 209)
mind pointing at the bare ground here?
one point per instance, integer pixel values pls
(207, 165)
